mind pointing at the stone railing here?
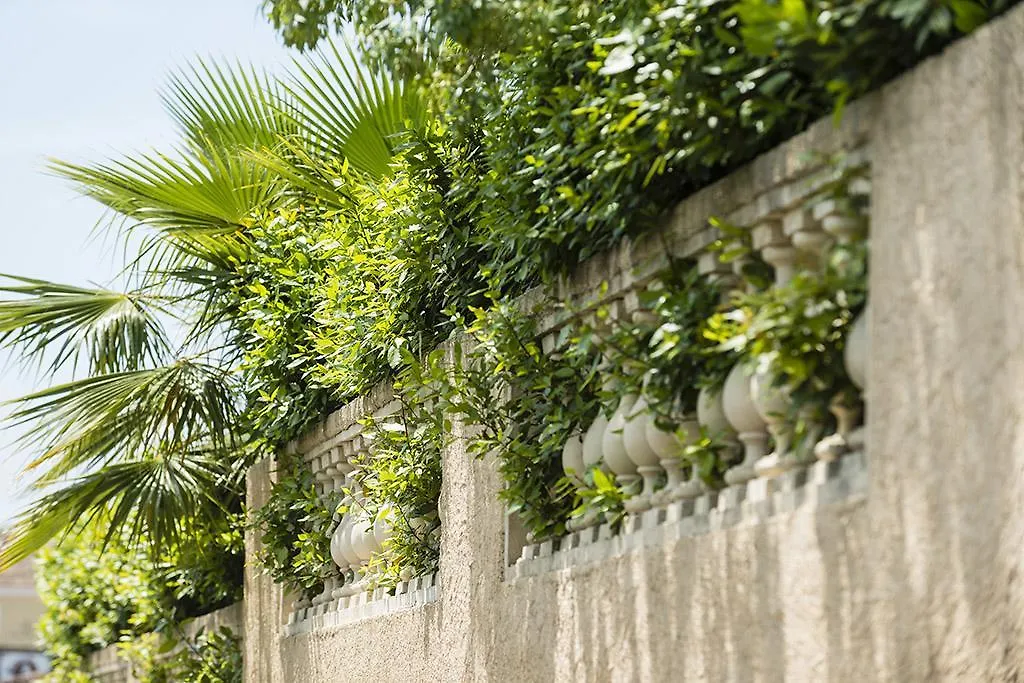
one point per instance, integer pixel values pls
(890, 550)
(334, 451)
(109, 666)
(791, 227)
(667, 502)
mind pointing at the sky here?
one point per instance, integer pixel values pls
(80, 81)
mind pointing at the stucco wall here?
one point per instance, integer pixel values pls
(916, 578)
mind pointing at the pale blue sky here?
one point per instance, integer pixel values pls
(79, 81)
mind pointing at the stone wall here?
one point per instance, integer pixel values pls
(900, 563)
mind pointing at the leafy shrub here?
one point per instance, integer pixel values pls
(295, 527)
(92, 600)
(402, 478)
(210, 657)
(96, 595)
(591, 118)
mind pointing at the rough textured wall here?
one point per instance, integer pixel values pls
(946, 518)
(264, 604)
(919, 580)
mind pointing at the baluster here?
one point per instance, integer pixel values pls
(838, 219)
(670, 448)
(613, 447)
(638, 421)
(325, 478)
(341, 546)
(711, 400)
(572, 458)
(575, 466)
(770, 398)
(336, 481)
(776, 250)
(805, 232)
(855, 357)
(744, 418)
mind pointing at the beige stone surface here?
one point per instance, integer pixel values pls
(265, 604)
(918, 580)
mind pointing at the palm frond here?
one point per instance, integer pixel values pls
(216, 191)
(155, 498)
(115, 331)
(96, 420)
(306, 175)
(221, 107)
(346, 110)
(158, 437)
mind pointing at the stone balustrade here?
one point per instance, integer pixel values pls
(748, 416)
(334, 452)
(790, 226)
(887, 550)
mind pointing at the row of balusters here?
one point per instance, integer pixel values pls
(749, 411)
(746, 414)
(358, 535)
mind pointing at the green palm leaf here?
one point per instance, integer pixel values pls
(96, 420)
(154, 498)
(157, 437)
(214, 191)
(113, 330)
(346, 110)
(228, 107)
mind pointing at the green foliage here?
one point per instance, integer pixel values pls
(591, 118)
(602, 496)
(334, 290)
(175, 658)
(214, 657)
(96, 595)
(402, 479)
(92, 600)
(329, 233)
(521, 405)
(163, 430)
(303, 23)
(295, 527)
(799, 329)
(664, 352)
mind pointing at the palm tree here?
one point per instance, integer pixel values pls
(150, 430)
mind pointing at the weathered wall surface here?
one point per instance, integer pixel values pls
(264, 603)
(946, 522)
(915, 578)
